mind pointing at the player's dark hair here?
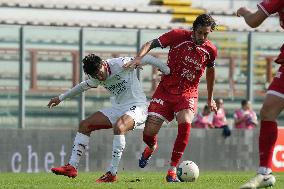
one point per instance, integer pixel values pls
(204, 20)
(92, 64)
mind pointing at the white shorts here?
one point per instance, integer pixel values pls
(137, 112)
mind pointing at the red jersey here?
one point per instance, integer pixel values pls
(273, 6)
(270, 7)
(186, 60)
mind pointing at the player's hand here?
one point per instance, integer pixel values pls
(136, 63)
(53, 102)
(212, 105)
(242, 11)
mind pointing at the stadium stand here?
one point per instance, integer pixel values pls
(47, 48)
(183, 11)
(129, 14)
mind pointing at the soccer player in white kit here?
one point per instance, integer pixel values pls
(128, 110)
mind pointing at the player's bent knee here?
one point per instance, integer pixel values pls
(119, 129)
(152, 125)
(84, 127)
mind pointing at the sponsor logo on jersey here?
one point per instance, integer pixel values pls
(188, 74)
(189, 60)
(156, 100)
(117, 88)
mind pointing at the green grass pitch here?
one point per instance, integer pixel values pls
(128, 180)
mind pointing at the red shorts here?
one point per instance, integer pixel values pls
(277, 85)
(166, 105)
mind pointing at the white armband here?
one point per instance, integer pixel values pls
(148, 59)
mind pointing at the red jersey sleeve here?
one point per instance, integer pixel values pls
(212, 54)
(172, 37)
(270, 6)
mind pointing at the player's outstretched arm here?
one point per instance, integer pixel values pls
(151, 60)
(253, 19)
(142, 52)
(79, 88)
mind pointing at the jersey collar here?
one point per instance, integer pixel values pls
(107, 68)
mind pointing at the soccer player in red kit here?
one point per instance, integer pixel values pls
(176, 96)
(274, 100)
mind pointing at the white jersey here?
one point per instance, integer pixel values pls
(123, 85)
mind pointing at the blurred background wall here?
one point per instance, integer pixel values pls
(42, 43)
(38, 151)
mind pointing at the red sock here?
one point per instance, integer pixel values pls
(180, 143)
(267, 139)
(150, 140)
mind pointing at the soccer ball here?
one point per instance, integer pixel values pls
(187, 171)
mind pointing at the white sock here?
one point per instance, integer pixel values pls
(264, 170)
(81, 142)
(117, 149)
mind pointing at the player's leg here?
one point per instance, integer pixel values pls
(96, 121)
(159, 111)
(123, 124)
(272, 106)
(184, 119)
(185, 109)
(134, 115)
(151, 129)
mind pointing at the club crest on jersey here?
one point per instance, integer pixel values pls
(204, 58)
(204, 53)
